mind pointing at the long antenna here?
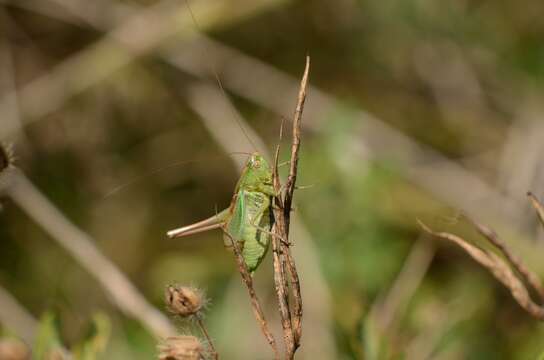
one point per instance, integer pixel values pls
(234, 114)
(136, 179)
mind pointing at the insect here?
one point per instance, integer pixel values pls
(249, 219)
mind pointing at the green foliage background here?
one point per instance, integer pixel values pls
(457, 76)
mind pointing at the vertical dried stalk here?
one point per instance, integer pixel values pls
(283, 260)
(297, 310)
(290, 186)
(255, 304)
(288, 199)
(282, 292)
(280, 280)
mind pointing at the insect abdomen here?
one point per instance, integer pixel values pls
(250, 226)
(256, 234)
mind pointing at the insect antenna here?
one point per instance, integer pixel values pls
(234, 114)
(137, 179)
(239, 153)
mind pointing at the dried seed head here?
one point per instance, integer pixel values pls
(181, 347)
(11, 349)
(184, 300)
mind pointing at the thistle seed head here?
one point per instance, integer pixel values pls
(184, 301)
(181, 347)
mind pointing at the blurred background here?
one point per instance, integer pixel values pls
(417, 109)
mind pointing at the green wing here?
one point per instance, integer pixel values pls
(235, 224)
(250, 225)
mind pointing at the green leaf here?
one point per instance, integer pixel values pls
(47, 339)
(96, 339)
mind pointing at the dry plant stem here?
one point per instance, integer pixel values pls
(538, 206)
(255, 304)
(283, 261)
(297, 296)
(280, 284)
(291, 180)
(280, 280)
(527, 275)
(288, 200)
(200, 323)
(499, 268)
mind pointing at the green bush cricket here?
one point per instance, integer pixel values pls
(248, 219)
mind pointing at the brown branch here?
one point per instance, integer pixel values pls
(498, 267)
(255, 304)
(200, 323)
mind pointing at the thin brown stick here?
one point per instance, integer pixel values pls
(297, 310)
(292, 324)
(291, 180)
(283, 261)
(499, 268)
(200, 323)
(288, 201)
(255, 304)
(538, 206)
(527, 275)
(280, 284)
(280, 280)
